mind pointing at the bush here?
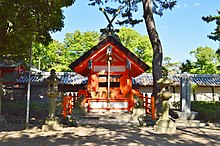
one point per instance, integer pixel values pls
(208, 111)
(18, 109)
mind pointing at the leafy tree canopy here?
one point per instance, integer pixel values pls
(205, 62)
(204, 54)
(60, 55)
(78, 43)
(23, 19)
(53, 56)
(136, 43)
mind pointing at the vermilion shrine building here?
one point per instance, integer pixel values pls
(110, 68)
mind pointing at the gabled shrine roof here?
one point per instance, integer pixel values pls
(138, 65)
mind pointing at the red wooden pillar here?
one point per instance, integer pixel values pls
(153, 114)
(64, 106)
(70, 104)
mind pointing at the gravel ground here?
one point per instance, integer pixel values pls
(108, 129)
(107, 134)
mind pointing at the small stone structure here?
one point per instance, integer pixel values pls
(52, 122)
(165, 124)
(185, 102)
(186, 116)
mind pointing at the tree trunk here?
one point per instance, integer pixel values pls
(157, 50)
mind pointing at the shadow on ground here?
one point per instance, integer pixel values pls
(108, 134)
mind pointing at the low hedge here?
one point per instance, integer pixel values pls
(18, 109)
(208, 111)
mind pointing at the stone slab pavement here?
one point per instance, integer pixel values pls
(111, 133)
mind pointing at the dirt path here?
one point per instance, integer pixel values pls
(108, 134)
(108, 129)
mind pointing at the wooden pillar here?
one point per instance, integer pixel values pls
(213, 93)
(153, 107)
(64, 105)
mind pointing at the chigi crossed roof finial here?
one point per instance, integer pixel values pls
(109, 30)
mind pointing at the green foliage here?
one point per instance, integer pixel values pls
(59, 56)
(205, 62)
(187, 66)
(23, 19)
(53, 56)
(136, 43)
(204, 54)
(78, 43)
(208, 111)
(194, 87)
(18, 109)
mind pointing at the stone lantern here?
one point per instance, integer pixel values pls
(164, 124)
(52, 122)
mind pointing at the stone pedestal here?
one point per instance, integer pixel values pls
(165, 126)
(52, 124)
(187, 119)
(189, 123)
(143, 119)
(187, 115)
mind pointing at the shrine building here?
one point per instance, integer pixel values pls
(109, 67)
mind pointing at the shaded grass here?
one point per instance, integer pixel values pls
(18, 109)
(208, 111)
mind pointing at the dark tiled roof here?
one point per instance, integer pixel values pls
(206, 80)
(66, 78)
(201, 80)
(143, 79)
(72, 78)
(34, 78)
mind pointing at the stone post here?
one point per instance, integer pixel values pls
(185, 112)
(165, 124)
(185, 93)
(186, 116)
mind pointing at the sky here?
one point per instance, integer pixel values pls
(181, 30)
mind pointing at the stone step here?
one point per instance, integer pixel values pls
(108, 118)
(189, 123)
